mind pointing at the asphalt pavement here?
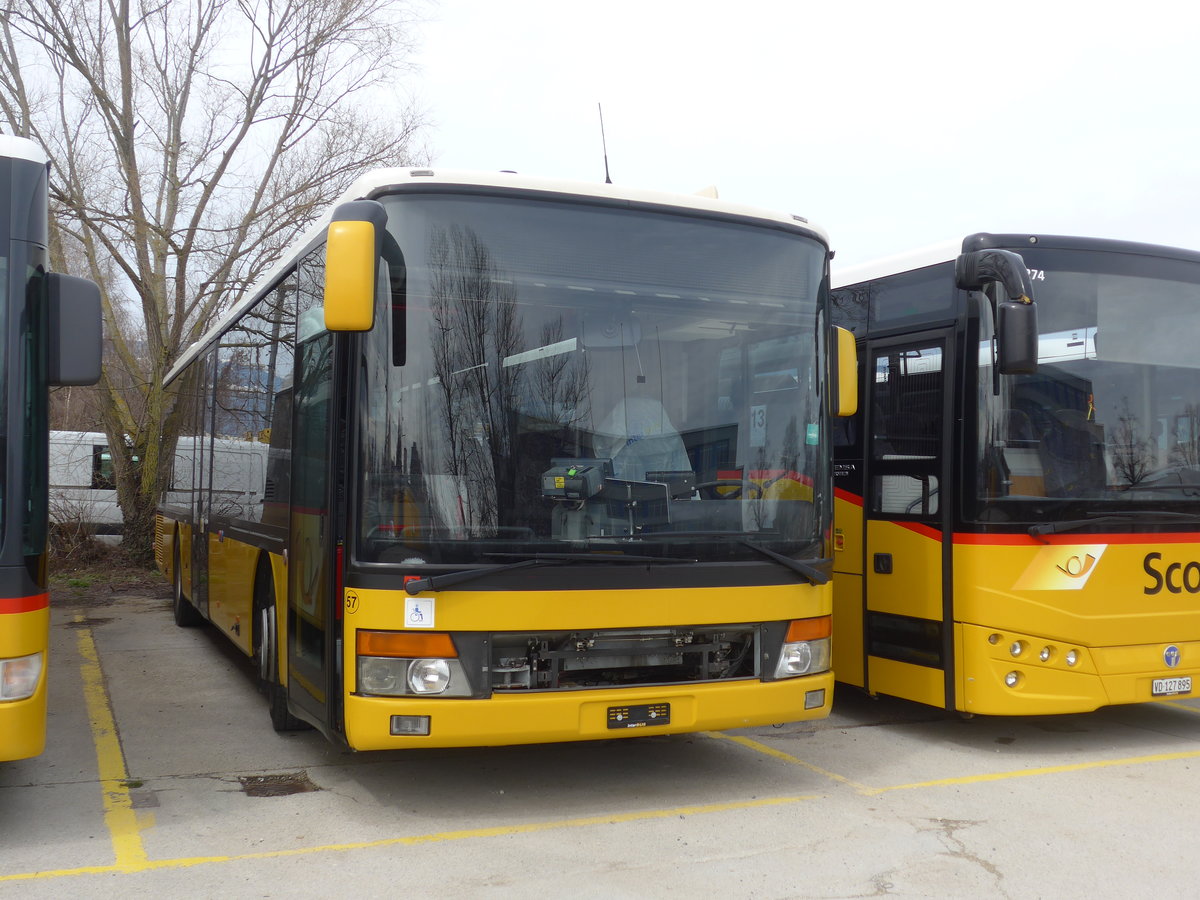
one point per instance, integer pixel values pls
(163, 777)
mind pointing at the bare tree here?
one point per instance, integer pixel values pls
(476, 325)
(1186, 428)
(1132, 454)
(190, 143)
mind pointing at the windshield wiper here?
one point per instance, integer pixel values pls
(437, 582)
(805, 568)
(1133, 515)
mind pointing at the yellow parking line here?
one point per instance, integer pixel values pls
(965, 779)
(788, 758)
(145, 865)
(1043, 770)
(114, 779)
(1181, 704)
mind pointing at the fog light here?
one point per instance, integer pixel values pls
(1072, 657)
(993, 638)
(1016, 648)
(1012, 679)
(19, 677)
(410, 725)
(1045, 655)
(814, 699)
(428, 676)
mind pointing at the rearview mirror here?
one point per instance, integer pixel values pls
(843, 388)
(1016, 316)
(75, 333)
(1016, 338)
(353, 243)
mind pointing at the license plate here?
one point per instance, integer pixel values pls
(645, 716)
(1162, 686)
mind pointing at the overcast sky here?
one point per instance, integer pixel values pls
(892, 125)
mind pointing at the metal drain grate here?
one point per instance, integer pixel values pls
(277, 785)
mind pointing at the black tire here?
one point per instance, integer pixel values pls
(265, 651)
(186, 615)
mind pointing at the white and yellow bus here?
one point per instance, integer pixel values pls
(49, 334)
(544, 461)
(1018, 505)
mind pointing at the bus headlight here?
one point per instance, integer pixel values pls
(381, 676)
(404, 664)
(19, 677)
(428, 676)
(803, 658)
(385, 676)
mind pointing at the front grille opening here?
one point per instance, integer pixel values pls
(646, 656)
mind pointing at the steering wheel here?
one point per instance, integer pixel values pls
(736, 483)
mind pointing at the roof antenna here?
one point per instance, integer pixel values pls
(604, 144)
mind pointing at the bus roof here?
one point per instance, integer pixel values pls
(949, 250)
(897, 262)
(22, 148)
(381, 182)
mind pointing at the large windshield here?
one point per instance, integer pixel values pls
(549, 376)
(1111, 420)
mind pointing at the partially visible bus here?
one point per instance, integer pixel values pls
(1022, 537)
(50, 328)
(545, 461)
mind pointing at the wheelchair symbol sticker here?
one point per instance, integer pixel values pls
(1171, 656)
(418, 612)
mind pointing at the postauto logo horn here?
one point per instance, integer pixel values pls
(1061, 568)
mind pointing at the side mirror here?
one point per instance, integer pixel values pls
(1016, 338)
(75, 341)
(974, 270)
(353, 243)
(1016, 317)
(843, 372)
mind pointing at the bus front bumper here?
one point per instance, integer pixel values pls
(581, 715)
(1001, 678)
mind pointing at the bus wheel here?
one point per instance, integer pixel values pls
(266, 655)
(186, 615)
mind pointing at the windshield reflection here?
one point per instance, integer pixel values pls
(1113, 414)
(546, 377)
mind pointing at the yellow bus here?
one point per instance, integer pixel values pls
(50, 328)
(490, 459)
(1017, 527)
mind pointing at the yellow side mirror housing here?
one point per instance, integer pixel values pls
(352, 248)
(843, 391)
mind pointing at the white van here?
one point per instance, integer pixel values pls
(82, 488)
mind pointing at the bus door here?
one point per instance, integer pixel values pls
(906, 622)
(310, 533)
(203, 462)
